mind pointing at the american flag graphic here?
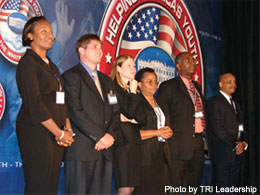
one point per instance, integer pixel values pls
(12, 6)
(150, 27)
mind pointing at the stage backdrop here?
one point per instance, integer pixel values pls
(153, 32)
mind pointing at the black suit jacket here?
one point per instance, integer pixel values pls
(90, 116)
(174, 94)
(129, 103)
(147, 120)
(223, 128)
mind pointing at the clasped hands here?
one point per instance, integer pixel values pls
(165, 132)
(240, 147)
(67, 138)
(105, 142)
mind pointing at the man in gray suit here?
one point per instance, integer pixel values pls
(88, 164)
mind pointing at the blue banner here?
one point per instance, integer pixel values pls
(69, 20)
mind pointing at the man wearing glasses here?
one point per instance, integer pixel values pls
(88, 164)
(183, 98)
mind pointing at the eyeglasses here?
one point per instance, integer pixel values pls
(93, 46)
(150, 82)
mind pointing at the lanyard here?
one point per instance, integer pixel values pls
(58, 79)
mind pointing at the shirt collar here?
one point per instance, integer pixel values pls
(88, 69)
(226, 96)
(186, 81)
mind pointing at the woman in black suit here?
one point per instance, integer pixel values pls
(127, 153)
(42, 120)
(154, 134)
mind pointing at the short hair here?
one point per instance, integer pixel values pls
(29, 27)
(84, 40)
(178, 57)
(115, 75)
(223, 75)
(141, 73)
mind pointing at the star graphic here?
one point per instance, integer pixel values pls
(196, 77)
(108, 58)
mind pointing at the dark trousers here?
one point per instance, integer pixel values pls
(88, 177)
(187, 173)
(41, 167)
(226, 174)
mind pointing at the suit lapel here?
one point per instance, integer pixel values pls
(184, 89)
(225, 101)
(89, 82)
(103, 87)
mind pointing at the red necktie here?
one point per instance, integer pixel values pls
(198, 103)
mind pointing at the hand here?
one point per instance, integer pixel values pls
(99, 146)
(165, 132)
(133, 86)
(107, 140)
(67, 138)
(64, 28)
(123, 118)
(240, 148)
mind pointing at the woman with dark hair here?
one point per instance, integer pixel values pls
(154, 134)
(43, 128)
(127, 152)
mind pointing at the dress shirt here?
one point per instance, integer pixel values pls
(198, 121)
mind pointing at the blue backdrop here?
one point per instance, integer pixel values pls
(69, 20)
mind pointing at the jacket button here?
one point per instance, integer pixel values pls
(193, 125)
(106, 122)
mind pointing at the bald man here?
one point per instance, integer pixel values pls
(226, 133)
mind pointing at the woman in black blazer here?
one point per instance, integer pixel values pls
(42, 119)
(127, 151)
(154, 132)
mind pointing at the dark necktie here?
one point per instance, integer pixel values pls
(198, 103)
(233, 105)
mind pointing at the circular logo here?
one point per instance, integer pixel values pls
(152, 32)
(13, 16)
(2, 101)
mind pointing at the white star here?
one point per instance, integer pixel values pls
(146, 35)
(130, 35)
(147, 24)
(134, 27)
(154, 9)
(138, 34)
(131, 20)
(155, 28)
(142, 28)
(196, 77)
(139, 20)
(156, 17)
(143, 16)
(154, 38)
(152, 20)
(127, 27)
(136, 15)
(148, 12)
(108, 58)
(150, 32)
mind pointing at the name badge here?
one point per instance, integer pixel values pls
(112, 98)
(241, 127)
(198, 114)
(60, 97)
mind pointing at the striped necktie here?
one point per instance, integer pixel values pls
(198, 103)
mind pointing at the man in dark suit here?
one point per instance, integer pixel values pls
(183, 98)
(88, 164)
(226, 133)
